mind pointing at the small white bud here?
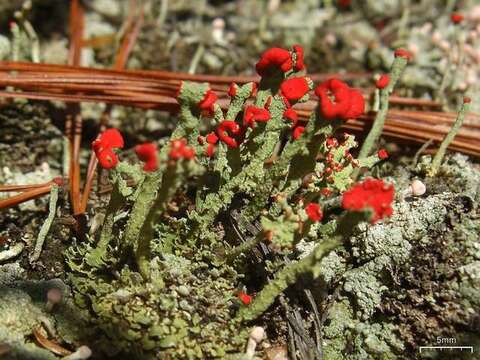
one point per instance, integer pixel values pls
(330, 39)
(218, 23)
(54, 296)
(27, 5)
(413, 48)
(462, 86)
(475, 13)
(417, 188)
(257, 334)
(82, 353)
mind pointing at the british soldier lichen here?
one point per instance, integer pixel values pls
(259, 157)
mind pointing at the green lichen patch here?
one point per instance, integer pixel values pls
(23, 307)
(185, 311)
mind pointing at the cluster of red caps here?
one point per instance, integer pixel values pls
(180, 150)
(273, 61)
(370, 194)
(111, 139)
(277, 60)
(228, 131)
(104, 145)
(337, 99)
(314, 212)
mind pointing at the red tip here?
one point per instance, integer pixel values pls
(208, 101)
(338, 100)
(274, 59)
(344, 3)
(382, 154)
(107, 158)
(294, 89)
(291, 115)
(456, 18)
(148, 153)
(212, 138)
(382, 81)
(403, 53)
(371, 194)
(297, 132)
(109, 139)
(244, 298)
(58, 180)
(225, 130)
(255, 114)
(314, 212)
(180, 150)
(326, 191)
(210, 150)
(299, 64)
(232, 90)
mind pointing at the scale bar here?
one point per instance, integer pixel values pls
(447, 347)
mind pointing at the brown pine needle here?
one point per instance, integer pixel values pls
(156, 90)
(30, 193)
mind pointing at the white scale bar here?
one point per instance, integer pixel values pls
(447, 347)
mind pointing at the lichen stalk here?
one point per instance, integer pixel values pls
(170, 184)
(189, 95)
(97, 257)
(248, 177)
(310, 264)
(398, 66)
(286, 277)
(52, 207)
(440, 154)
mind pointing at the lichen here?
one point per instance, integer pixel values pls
(158, 280)
(22, 303)
(425, 255)
(183, 312)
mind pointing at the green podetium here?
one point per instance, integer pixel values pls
(437, 160)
